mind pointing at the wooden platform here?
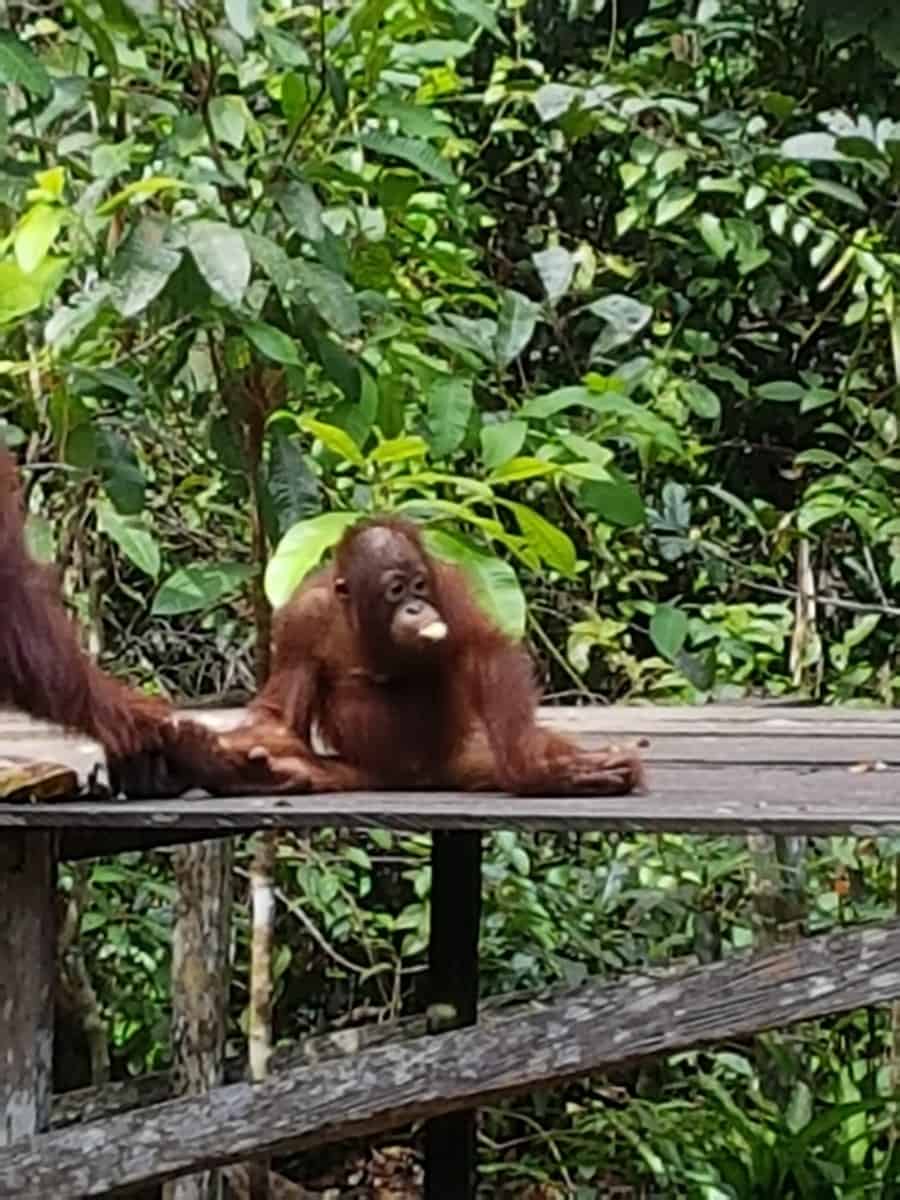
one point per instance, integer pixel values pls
(718, 769)
(713, 770)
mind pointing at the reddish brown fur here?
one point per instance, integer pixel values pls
(44, 672)
(459, 715)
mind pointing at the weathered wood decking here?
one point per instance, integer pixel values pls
(720, 769)
(717, 770)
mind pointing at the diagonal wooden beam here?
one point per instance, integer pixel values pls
(586, 1030)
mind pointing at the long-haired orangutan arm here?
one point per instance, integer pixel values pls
(44, 672)
(524, 758)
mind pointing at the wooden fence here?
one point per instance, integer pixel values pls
(738, 770)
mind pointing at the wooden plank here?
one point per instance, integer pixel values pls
(450, 1140)
(109, 1099)
(751, 723)
(22, 779)
(705, 800)
(587, 1030)
(28, 960)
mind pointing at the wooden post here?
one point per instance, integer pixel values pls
(27, 974)
(450, 1150)
(200, 975)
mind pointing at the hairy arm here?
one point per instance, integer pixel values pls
(271, 750)
(531, 760)
(43, 670)
(496, 678)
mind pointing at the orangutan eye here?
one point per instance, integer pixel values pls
(420, 585)
(395, 591)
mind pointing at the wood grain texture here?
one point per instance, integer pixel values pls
(27, 973)
(585, 1030)
(706, 800)
(750, 723)
(711, 770)
(201, 939)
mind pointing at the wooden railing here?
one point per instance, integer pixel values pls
(758, 770)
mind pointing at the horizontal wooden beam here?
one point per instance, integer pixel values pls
(710, 800)
(110, 1099)
(585, 1030)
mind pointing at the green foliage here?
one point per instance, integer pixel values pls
(604, 295)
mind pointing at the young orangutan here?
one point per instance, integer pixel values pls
(385, 660)
(44, 672)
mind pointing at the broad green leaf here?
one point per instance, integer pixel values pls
(399, 449)
(860, 629)
(415, 120)
(838, 191)
(35, 234)
(493, 581)
(21, 294)
(301, 206)
(549, 543)
(587, 470)
(515, 325)
(617, 503)
(668, 630)
(701, 399)
(450, 406)
(711, 231)
(517, 469)
(670, 162)
(143, 265)
(555, 266)
(132, 537)
(726, 375)
(143, 188)
(18, 64)
(103, 43)
(466, 335)
(301, 550)
(222, 258)
(111, 454)
(812, 146)
(817, 397)
(625, 317)
(782, 390)
(674, 203)
(857, 147)
(242, 17)
(481, 13)
(119, 17)
(272, 342)
(199, 587)
(295, 99)
(51, 182)
(431, 52)
(291, 484)
(229, 120)
(330, 295)
(421, 155)
(571, 397)
(272, 260)
(552, 100)
(737, 504)
(583, 447)
(335, 439)
(69, 321)
(502, 441)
